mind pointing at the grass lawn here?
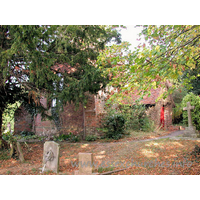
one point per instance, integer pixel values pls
(143, 157)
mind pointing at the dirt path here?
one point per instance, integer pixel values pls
(172, 134)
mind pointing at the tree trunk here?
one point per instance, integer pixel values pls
(1, 113)
(3, 143)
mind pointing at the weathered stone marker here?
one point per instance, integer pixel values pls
(16, 151)
(51, 156)
(21, 156)
(85, 164)
(190, 131)
(189, 108)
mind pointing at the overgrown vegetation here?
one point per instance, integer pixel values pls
(69, 137)
(177, 114)
(4, 154)
(136, 118)
(195, 114)
(8, 116)
(90, 138)
(125, 118)
(114, 125)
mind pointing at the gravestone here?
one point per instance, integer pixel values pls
(190, 131)
(51, 156)
(21, 156)
(16, 151)
(85, 164)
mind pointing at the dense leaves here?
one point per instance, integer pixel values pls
(114, 125)
(195, 114)
(54, 61)
(166, 54)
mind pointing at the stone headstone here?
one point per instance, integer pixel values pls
(51, 156)
(21, 156)
(85, 164)
(190, 131)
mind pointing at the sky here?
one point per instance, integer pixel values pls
(131, 34)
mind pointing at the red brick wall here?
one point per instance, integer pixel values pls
(72, 119)
(44, 127)
(23, 120)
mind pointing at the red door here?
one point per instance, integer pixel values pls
(162, 117)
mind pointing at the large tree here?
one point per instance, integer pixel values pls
(58, 61)
(167, 53)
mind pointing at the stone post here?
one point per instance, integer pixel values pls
(189, 108)
(190, 131)
(85, 164)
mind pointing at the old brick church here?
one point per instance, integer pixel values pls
(85, 121)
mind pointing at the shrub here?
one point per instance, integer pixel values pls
(75, 138)
(177, 114)
(62, 137)
(6, 136)
(194, 101)
(136, 118)
(69, 137)
(90, 138)
(114, 124)
(26, 133)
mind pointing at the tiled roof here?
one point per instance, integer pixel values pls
(132, 97)
(147, 100)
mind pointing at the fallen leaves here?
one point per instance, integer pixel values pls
(119, 155)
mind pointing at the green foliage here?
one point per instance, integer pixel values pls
(125, 118)
(58, 61)
(8, 116)
(113, 125)
(195, 78)
(8, 172)
(168, 52)
(69, 137)
(75, 138)
(194, 101)
(63, 137)
(106, 169)
(26, 133)
(4, 154)
(177, 114)
(179, 94)
(9, 138)
(29, 137)
(91, 138)
(136, 118)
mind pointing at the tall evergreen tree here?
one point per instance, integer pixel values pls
(32, 58)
